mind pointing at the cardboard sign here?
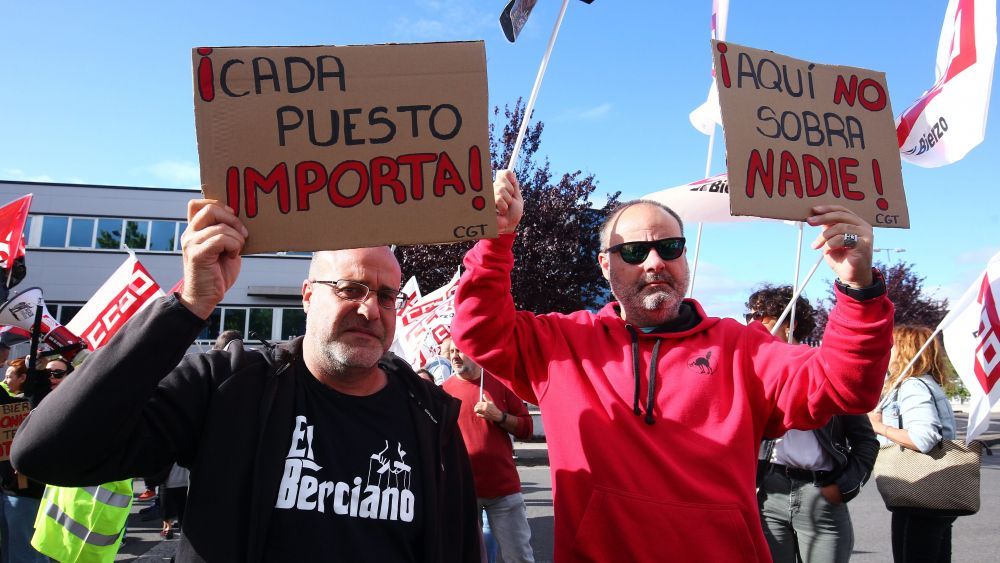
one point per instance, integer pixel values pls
(320, 148)
(800, 134)
(11, 417)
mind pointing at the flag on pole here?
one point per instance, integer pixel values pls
(949, 120)
(705, 116)
(425, 323)
(12, 219)
(972, 338)
(129, 290)
(412, 290)
(701, 201)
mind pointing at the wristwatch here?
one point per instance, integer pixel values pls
(876, 289)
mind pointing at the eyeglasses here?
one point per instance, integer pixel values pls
(636, 252)
(753, 316)
(358, 292)
(57, 373)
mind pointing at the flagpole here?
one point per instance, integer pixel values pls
(795, 294)
(697, 240)
(534, 90)
(795, 284)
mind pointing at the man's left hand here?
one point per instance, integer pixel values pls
(487, 410)
(853, 265)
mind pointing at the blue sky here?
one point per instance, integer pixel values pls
(101, 93)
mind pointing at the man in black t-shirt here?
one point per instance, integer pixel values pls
(327, 448)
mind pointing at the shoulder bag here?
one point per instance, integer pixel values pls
(945, 480)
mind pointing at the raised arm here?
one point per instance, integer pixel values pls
(113, 418)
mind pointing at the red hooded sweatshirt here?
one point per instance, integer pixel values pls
(667, 475)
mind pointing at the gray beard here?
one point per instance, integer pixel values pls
(339, 357)
(649, 310)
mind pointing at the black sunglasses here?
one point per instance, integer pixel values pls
(636, 252)
(57, 373)
(754, 316)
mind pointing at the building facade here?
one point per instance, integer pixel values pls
(74, 236)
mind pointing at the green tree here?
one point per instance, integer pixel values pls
(557, 243)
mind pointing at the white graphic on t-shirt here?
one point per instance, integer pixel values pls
(386, 495)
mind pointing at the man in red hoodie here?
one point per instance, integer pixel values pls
(654, 410)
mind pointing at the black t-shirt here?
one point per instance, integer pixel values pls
(351, 489)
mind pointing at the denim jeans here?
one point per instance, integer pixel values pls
(17, 524)
(797, 519)
(509, 524)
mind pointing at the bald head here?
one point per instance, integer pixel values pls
(610, 223)
(323, 261)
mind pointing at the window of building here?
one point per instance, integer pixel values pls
(293, 323)
(109, 233)
(181, 227)
(235, 319)
(136, 234)
(54, 231)
(260, 323)
(162, 234)
(67, 312)
(81, 232)
(27, 229)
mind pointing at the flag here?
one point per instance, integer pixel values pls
(12, 219)
(129, 290)
(702, 201)
(705, 116)
(412, 290)
(949, 120)
(425, 323)
(972, 338)
(514, 16)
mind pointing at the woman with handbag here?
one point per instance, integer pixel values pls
(915, 413)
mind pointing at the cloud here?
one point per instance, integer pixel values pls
(445, 20)
(978, 257)
(595, 112)
(178, 173)
(18, 174)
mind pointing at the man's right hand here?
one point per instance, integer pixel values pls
(510, 205)
(212, 244)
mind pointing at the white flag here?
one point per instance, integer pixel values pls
(412, 290)
(972, 339)
(426, 323)
(705, 116)
(949, 120)
(703, 201)
(129, 290)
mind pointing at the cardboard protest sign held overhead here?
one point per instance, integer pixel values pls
(11, 417)
(800, 134)
(320, 148)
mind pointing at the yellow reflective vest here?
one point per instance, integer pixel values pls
(84, 524)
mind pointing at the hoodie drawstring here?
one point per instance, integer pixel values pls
(651, 394)
(635, 371)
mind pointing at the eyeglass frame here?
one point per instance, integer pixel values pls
(399, 301)
(753, 316)
(61, 373)
(649, 246)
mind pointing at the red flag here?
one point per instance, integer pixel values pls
(12, 219)
(129, 290)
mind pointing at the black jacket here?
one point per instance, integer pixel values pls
(851, 443)
(226, 416)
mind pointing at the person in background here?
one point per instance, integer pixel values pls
(173, 499)
(58, 368)
(425, 375)
(917, 397)
(13, 381)
(225, 338)
(490, 413)
(808, 476)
